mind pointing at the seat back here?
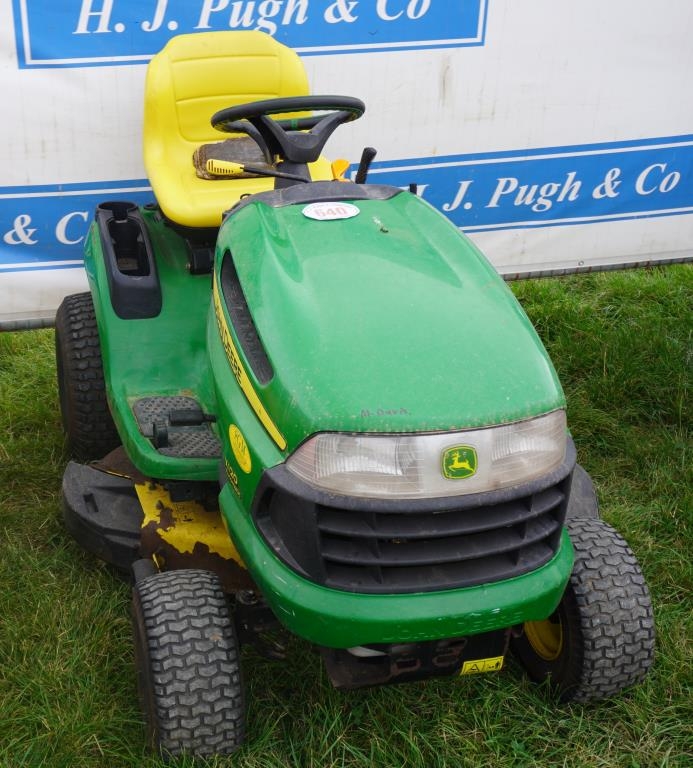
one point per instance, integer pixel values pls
(189, 80)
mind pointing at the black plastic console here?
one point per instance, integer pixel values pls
(133, 281)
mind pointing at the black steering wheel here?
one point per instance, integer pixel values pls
(296, 140)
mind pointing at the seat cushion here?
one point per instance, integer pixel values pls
(189, 80)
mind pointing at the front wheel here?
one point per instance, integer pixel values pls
(188, 664)
(600, 639)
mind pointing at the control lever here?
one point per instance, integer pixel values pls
(366, 159)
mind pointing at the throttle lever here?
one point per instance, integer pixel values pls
(366, 159)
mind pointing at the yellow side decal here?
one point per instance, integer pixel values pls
(240, 448)
(240, 374)
(494, 664)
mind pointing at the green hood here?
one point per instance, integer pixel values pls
(391, 321)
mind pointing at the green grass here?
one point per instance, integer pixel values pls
(622, 345)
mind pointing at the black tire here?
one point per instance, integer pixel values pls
(600, 639)
(187, 664)
(86, 418)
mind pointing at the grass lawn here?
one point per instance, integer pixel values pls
(622, 345)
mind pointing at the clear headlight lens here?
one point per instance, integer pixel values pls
(418, 466)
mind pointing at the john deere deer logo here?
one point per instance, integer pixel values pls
(459, 462)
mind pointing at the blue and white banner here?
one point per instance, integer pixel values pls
(98, 32)
(555, 186)
(45, 227)
(558, 135)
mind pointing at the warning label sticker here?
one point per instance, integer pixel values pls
(476, 666)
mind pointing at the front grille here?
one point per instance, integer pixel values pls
(406, 547)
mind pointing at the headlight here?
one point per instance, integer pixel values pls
(416, 466)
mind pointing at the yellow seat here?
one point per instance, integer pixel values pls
(189, 80)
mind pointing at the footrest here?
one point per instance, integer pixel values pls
(191, 441)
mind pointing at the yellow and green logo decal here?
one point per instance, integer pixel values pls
(459, 462)
(240, 448)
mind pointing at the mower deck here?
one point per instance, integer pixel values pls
(121, 517)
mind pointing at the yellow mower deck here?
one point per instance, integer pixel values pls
(121, 517)
(186, 534)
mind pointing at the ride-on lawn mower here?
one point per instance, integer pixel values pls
(311, 403)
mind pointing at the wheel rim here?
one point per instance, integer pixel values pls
(545, 637)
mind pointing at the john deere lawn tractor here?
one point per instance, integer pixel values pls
(310, 403)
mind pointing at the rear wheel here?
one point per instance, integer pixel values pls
(86, 418)
(187, 664)
(600, 639)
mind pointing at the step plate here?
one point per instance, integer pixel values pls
(196, 442)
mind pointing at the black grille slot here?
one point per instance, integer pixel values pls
(401, 552)
(243, 323)
(381, 549)
(427, 525)
(378, 551)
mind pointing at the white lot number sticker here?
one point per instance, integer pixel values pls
(330, 211)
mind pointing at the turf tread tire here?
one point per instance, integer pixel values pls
(86, 417)
(606, 611)
(188, 664)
